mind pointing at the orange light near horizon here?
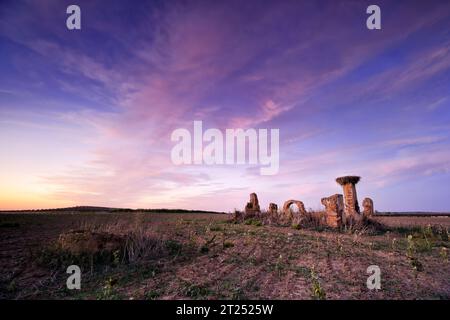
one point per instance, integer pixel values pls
(24, 193)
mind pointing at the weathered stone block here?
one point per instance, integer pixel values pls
(252, 208)
(273, 208)
(368, 210)
(334, 210)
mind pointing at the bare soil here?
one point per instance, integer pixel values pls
(204, 256)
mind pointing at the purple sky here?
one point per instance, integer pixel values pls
(86, 116)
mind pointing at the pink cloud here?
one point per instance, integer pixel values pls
(199, 55)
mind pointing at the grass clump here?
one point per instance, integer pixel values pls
(210, 243)
(152, 294)
(215, 228)
(411, 251)
(195, 291)
(296, 226)
(443, 253)
(174, 247)
(253, 222)
(317, 292)
(108, 291)
(227, 244)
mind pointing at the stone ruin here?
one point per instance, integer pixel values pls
(351, 207)
(339, 209)
(334, 210)
(252, 208)
(367, 208)
(346, 207)
(290, 215)
(273, 209)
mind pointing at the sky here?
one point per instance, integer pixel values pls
(86, 116)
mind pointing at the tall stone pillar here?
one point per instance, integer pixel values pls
(351, 207)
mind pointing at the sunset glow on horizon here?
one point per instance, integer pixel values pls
(86, 116)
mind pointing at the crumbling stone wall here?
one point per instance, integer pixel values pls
(334, 210)
(273, 209)
(339, 209)
(252, 208)
(368, 210)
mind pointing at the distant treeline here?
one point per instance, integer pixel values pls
(163, 210)
(113, 210)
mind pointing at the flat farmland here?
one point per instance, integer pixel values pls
(207, 256)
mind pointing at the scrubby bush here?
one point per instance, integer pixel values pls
(94, 250)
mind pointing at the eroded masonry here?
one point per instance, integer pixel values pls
(340, 209)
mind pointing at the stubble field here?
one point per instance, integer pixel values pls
(205, 256)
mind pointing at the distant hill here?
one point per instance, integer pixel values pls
(112, 210)
(164, 210)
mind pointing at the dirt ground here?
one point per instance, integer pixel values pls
(204, 256)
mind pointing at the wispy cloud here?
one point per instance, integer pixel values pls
(346, 100)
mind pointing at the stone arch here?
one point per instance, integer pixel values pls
(288, 212)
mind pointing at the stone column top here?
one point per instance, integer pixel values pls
(348, 179)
